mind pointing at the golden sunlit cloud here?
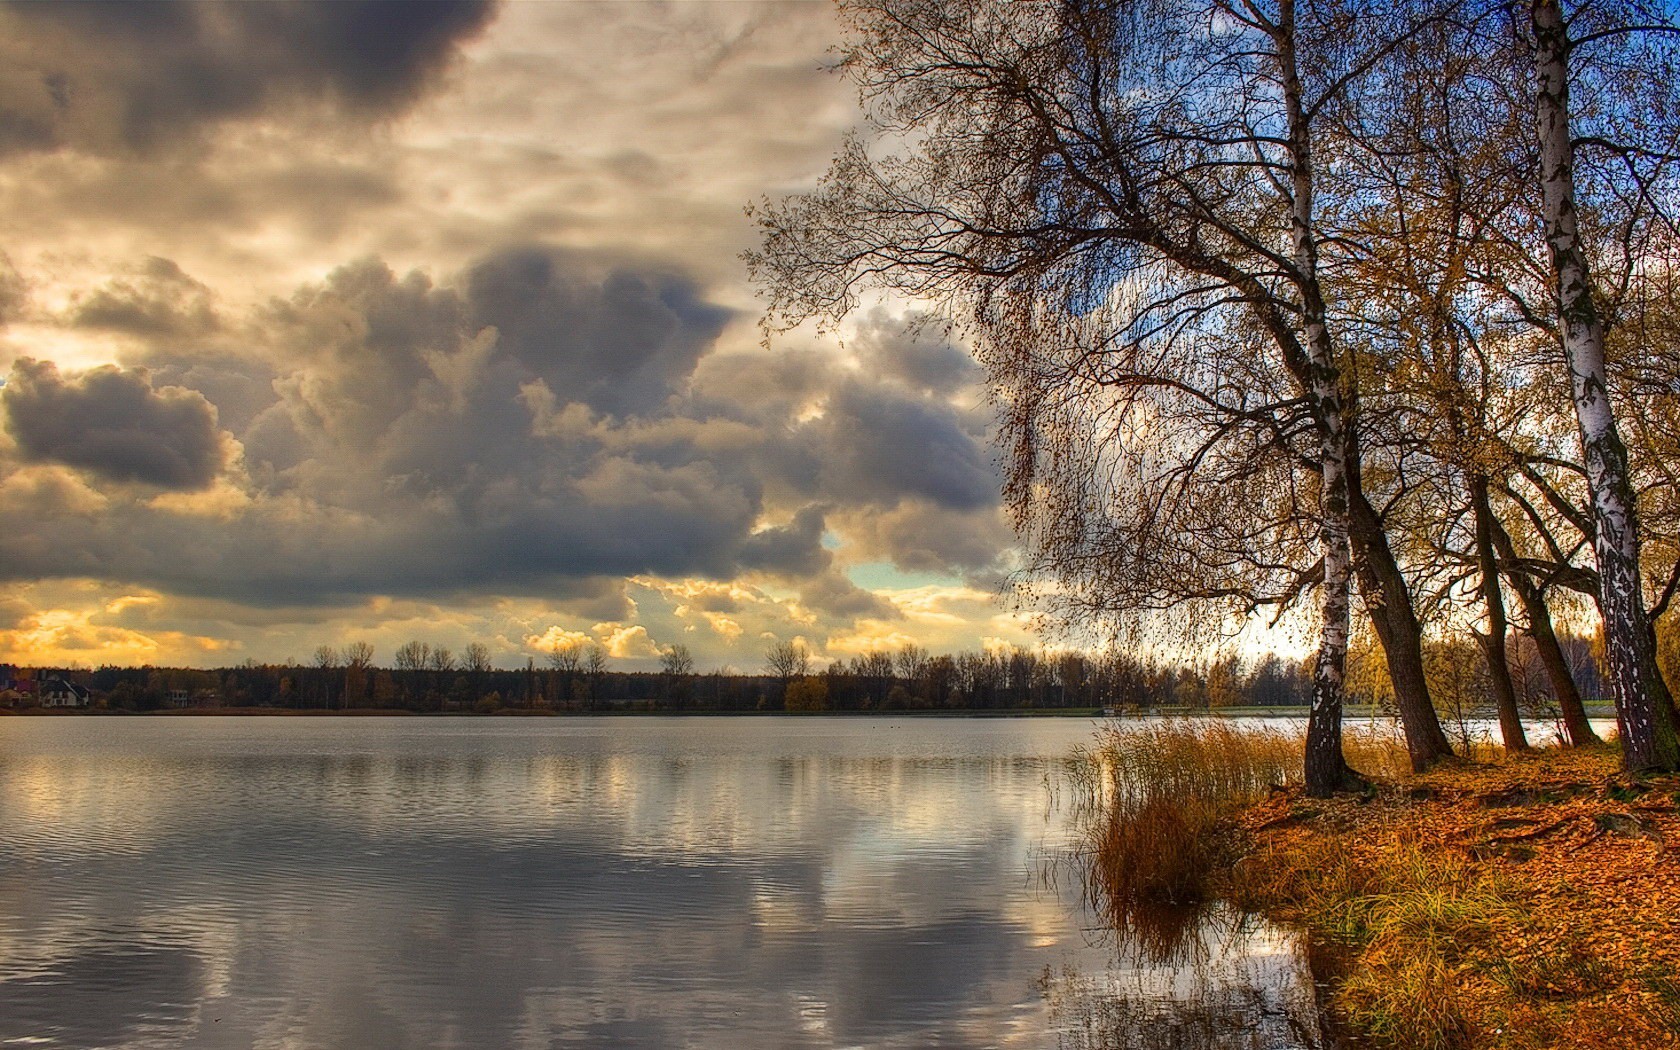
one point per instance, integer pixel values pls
(626, 641)
(871, 636)
(223, 500)
(70, 637)
(555, 639)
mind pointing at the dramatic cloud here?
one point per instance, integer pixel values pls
(618, 344)
(113, 424)
(96, 75)
(383, 321)
(13, 293)
(915, 350)
(160, 301)
(882, 447)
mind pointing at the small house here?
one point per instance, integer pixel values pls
(57, 692)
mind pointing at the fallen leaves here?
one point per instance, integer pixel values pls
(1582, 948)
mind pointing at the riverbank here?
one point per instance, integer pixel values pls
(1521, 903)
(656, 707)
(1356, 714)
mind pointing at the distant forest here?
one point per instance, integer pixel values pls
(426, 679)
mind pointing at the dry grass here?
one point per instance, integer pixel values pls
(1521, 902)
(1528, 903)
(1160, 795)
(1410, 917)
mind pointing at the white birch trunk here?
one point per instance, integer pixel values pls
(1648, 737)
(1326, 769)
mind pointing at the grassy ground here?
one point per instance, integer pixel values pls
(1521, 903)
(1524, 903)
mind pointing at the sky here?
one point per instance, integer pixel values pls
(345, 321)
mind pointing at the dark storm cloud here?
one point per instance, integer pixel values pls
(618, 343)
(922, 537)
(240, 387)
(792, 549)
(98, 75)
(159, 301)
(883, 447)
(539, 418)
(113, 424)
(839, 596)
(390, 446)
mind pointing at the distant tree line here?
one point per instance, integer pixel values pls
(426, 678)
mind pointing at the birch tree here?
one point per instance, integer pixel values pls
(1637, 133)
(1095, 189)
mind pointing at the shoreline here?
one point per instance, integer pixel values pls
(1354, 714)
(1531, 902)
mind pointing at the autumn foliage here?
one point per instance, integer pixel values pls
(1528, 903)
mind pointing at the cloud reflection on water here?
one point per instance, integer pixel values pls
(428, 883)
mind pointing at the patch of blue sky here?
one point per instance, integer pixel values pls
(885, 576)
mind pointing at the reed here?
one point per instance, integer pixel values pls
(1161, 797)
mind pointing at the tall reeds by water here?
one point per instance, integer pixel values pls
(1160, 795)
(1156, 795)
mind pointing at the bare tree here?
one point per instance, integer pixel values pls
(787, 661)
(358, 664)
(676, 660)
(442, 660)
(413, 656)
(566, 657)
(912, 661)
(1121, 205)
(358, 655)
(476, 658)
(678, 664)
(595, 660)
(325, 660)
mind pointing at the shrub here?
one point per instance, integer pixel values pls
(806, 694)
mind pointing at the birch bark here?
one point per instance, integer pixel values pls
(1326, 768)
(1642, 710)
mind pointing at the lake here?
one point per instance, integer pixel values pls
(626, 882)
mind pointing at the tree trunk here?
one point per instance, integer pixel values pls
(1665, 695)
(1642, 705)
(1326, 768)
(1564, 690)
(1389, 601)
(1493, 643)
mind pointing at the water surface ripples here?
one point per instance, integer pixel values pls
(658, 882)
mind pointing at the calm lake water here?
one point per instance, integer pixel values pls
(634, 882)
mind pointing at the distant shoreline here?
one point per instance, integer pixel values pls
(1354, 713)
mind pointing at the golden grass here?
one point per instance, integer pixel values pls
(1519, 902)
(1410, 916)
(1159, 793)
(1528, 903)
